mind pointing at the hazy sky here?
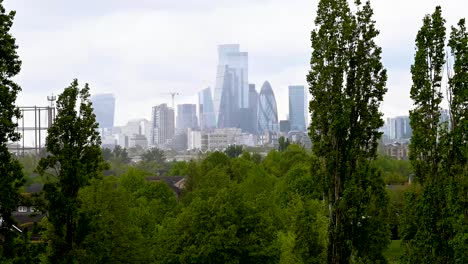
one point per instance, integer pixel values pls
(141, 49)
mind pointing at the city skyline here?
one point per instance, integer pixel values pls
(134, 64)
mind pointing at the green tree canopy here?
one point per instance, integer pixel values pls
(154, 155)
(347, 83)
(11, 175)
(74, 158)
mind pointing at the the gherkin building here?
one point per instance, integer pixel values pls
(267, 111)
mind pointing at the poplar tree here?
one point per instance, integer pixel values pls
(347, 83)
(74, 158)
(456, 160)
(426, 93)
(11, 176)
(427, 236)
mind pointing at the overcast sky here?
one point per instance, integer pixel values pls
(141, 49)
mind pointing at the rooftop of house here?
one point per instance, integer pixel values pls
(176, 183)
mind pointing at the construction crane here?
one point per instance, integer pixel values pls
(173, 94)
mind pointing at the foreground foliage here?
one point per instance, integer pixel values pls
(347, 83)
(11, 175)
(73, 158)
(435, 226)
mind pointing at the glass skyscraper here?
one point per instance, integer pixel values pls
(231, 91)
(206, 110)
(187, 116)
(297, 107)
(267, 111)
(104, 108)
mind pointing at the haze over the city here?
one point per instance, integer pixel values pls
(139, 50)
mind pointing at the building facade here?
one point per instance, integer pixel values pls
(397, 129)
(163, 129)
(250, 118)
(285, 126)
(267, 110)
(231, 91)
(104, 109)
(187, 116)
(297, 107)
(206, 110)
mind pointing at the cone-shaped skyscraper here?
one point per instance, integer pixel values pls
(267, 111)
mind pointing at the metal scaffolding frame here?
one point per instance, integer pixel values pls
(42, 115)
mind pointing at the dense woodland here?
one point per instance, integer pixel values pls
(339, 202)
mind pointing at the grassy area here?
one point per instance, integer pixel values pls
(394, 252)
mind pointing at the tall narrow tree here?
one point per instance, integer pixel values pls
(458, 98)
(426, 93)
(456, 160)
(11, 176)
(74, 157)
(347, 83)
(427, 239)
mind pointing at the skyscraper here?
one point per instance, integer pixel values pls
(267, 111)
(398, 129)
(162, 119)
(297, 107)
(206, 110)
(187, 116)
(104, 108)
(232, 89)
(253, 106)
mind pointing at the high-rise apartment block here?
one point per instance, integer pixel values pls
(398, 129)
(162, 119)
(297, 108)
(104, 108)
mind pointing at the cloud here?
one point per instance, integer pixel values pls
(141, 49)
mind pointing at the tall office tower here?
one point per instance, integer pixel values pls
(206, 110)
(232, 88)
(187, 116)
(253, 101)
(162, 119)
(267, 111)
(297, 107)
(398, 128)
(104, 108)
(403, 128)
(284, 126)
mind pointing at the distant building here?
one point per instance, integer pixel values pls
(206, 110)
(219, 139)
(267, 111)
(136, 127)
(135, 133)
(397, 129)
(300, 138)
(179, 141)
(138, 140)
(187, 116)
(194, 139)
(231, 91)
(104, 108)
(251, 117)
(399, 151)
(297, 108)
(285, 126)
(108, 141)
(222, 138)
(163, 129)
